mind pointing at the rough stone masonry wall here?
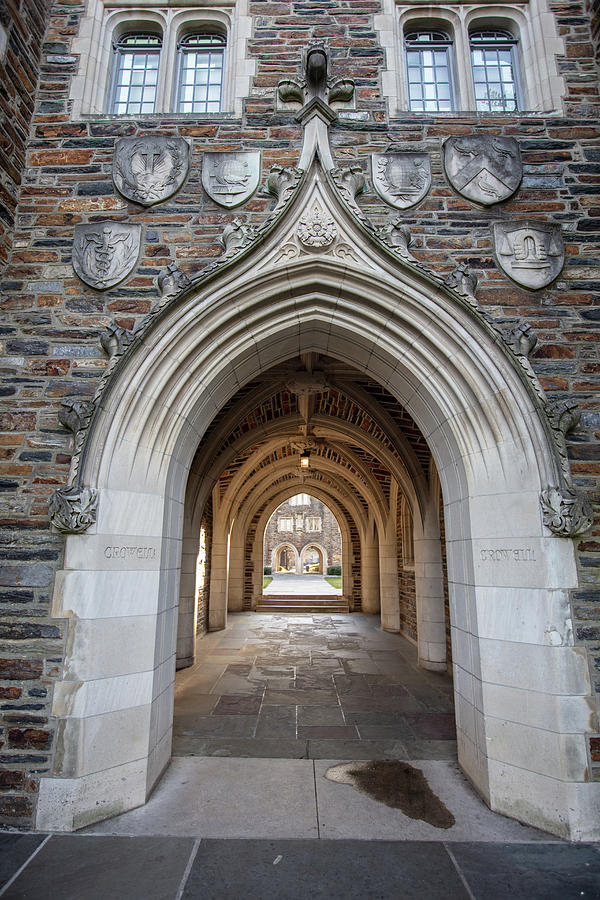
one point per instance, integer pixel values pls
(52, 322)
(23, 24)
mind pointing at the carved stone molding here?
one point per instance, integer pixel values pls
(73, 509)
(150, 169)
(566, 513)
(303, 383)
(171, 281)
(114, 340)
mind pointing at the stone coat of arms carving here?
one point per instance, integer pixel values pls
(106, 253)
(531, 253)
(401, 179)
(150, 169)
(230, 178)
(483, 168)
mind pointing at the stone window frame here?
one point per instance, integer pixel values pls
(285, 519)
(313, 523)
(105, 20)
(530, 21)
(293, 501)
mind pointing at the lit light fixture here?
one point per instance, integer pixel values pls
(305, 459)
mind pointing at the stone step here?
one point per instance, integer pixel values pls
(314, 604)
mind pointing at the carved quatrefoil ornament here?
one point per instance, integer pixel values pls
(316, 229)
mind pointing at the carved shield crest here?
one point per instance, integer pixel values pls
(231, 178)
(150, 169)
(483, 168)
(106, 253)
(401, 179)
(531, 253)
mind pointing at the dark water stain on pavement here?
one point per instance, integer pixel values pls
(398, 785)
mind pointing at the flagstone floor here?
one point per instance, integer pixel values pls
(311, 686)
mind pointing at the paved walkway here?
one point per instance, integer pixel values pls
(243, 820)
(311, 686)
(301, 586)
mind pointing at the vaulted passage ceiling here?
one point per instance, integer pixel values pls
(364, 447)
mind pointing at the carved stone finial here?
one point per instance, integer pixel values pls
(464, 282)
(566, 513)
(75, 413)
(522, 338)
(315, 85)
(172, 280)
(237, 235)
(398, 236)
(114, 340)
(73, 509)
(564, 415)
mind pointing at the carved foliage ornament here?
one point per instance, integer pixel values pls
(483, 168)
(531, 253)
(150, 169)
(73, 509)
(114, 340)
(75, 414)
(566, 513)
(172, 280)
(401, 179)
(231, 178)
(106, 253)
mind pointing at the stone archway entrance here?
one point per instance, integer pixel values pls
(522, 690)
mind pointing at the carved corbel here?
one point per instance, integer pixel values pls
(73, 509)
(566, 513)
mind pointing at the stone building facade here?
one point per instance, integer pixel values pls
(235, 234)
(302, 536)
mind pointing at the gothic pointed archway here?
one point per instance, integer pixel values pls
(352, 301)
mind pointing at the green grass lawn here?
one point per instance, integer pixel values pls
(334, 580)
(267, 581)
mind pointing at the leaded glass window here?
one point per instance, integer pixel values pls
(135, 74)
(429, 71)
(200, 82)
(494, 70)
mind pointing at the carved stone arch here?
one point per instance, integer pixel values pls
(276, 556)
(481, 414)
(321, 550)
